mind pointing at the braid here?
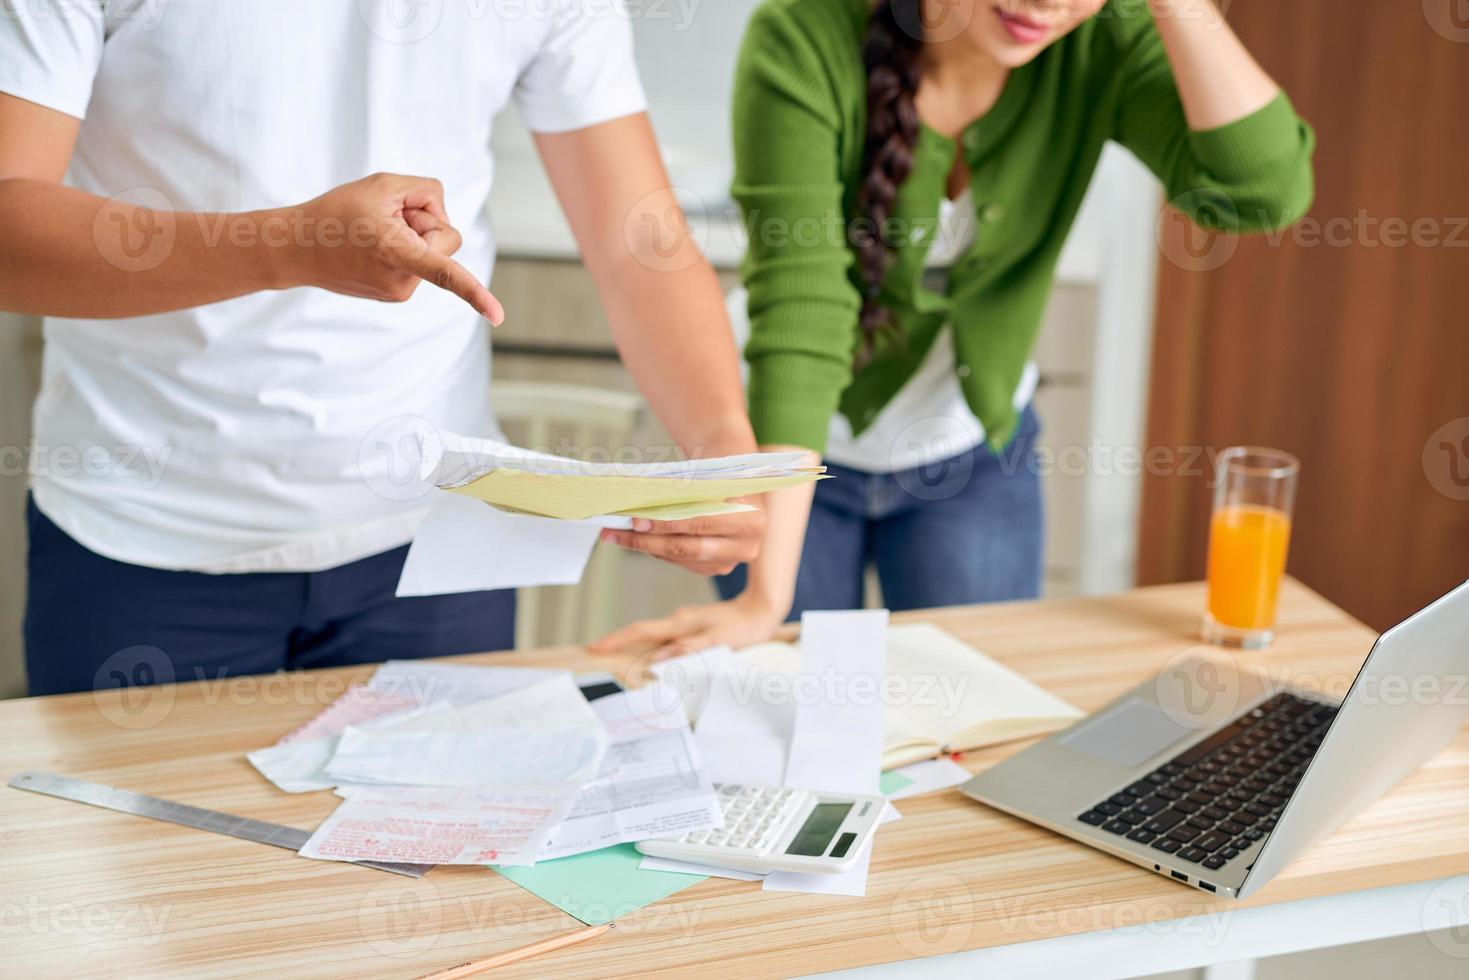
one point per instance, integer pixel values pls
(891, 55)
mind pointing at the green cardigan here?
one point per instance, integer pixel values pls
(799, 127)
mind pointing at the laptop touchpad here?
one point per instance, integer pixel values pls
(1127, 735)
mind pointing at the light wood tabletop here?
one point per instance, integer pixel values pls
(89, 892)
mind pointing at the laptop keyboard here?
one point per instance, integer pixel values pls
(1213, 800)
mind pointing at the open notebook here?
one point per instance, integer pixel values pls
(946, 695)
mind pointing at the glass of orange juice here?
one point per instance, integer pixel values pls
(1249, 535)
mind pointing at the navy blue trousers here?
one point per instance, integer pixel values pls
(92, 622)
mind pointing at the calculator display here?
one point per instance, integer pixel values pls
(818, 830)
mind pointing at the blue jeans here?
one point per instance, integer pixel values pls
(92, 622)
(965, 530)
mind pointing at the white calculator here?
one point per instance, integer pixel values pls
(770, 829)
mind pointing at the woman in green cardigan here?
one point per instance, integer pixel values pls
(908, 172)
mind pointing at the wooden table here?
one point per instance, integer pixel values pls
(89, 892)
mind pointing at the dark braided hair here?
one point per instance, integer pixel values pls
(890, 53)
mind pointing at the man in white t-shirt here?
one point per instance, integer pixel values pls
(231, 275)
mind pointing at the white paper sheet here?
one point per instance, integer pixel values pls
(689, 675)
(474, 825)
(930, 776)
(650, 863)
(296, 767)
(297, 763)
(452, 460)
(541, 733)
(836, 744)
(744, 730)
(453, 684)
(651, 783)
(465, 545)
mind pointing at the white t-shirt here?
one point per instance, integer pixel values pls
(928, 420)
(259, 434)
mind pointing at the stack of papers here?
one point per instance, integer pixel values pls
(506, 517)
(527, 482)
(501, 766)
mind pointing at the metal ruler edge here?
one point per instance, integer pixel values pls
(184, 815)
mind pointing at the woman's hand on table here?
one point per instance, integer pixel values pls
(739, 622)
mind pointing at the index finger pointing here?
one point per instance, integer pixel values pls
(445, 273)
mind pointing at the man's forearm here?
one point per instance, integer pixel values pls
(73, 254)
(673, 336)
(67, 253)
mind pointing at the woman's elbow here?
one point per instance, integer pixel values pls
(1276, 203)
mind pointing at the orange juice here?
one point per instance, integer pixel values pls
(1247, 548)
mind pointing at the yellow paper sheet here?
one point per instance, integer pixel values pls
(684, 512)
(572, 497)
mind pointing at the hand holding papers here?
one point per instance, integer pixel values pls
(505, 517)
(526, 482)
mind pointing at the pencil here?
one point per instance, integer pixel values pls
(474, 967)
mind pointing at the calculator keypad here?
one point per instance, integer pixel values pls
(754, 817)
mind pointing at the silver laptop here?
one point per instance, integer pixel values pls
(1220, 777)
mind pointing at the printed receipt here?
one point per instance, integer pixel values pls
(432, 825)
(651, 783)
